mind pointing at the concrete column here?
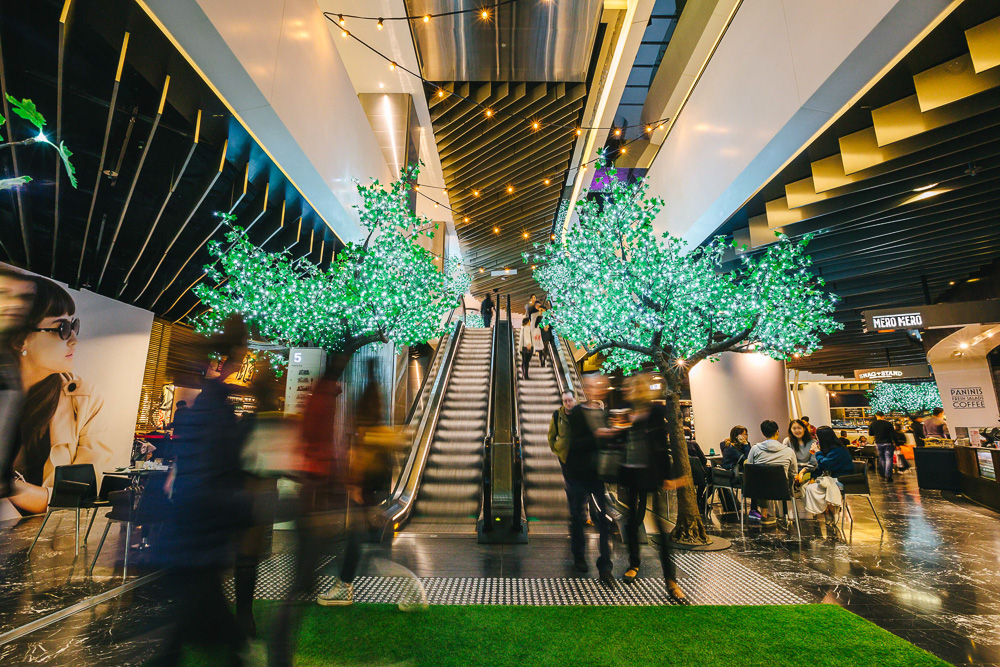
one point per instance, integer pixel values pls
(741, 389)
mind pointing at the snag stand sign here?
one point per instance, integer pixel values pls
(893, 372)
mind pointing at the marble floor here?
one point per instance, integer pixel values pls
(933, 578)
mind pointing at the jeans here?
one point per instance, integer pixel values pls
(487, 318)
(579, 493)
(885, 454)
(636, 511)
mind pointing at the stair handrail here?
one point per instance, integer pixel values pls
(518, 462)
(401, 501)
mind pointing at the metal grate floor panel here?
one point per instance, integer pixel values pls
(707, 578)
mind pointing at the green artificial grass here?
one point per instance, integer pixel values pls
(811, 635)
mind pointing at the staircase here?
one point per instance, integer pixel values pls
(451, 489)
(544, 491)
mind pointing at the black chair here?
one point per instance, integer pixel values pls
(767, 482)
(720, 479)
(109, 485)
(74, 488)
(121, 512)
(856, 484)
(870, 454)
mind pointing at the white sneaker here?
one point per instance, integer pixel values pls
(339, 595)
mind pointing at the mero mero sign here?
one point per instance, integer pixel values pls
(966, 398)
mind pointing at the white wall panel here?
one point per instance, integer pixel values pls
(781, 71)
(738, 389)
(275, 64)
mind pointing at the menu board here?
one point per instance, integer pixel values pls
(986, 467)
(854, 413)
(305, 367)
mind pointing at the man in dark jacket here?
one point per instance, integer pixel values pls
(917, 426)
(587, 428)
(486, 309)
(882, 432)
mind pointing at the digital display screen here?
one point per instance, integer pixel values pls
(986, 468)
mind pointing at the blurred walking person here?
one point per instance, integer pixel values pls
(648, 471)
(486, 309)
(17, 293)
(209, 509)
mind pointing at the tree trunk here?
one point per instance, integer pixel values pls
(689, 528)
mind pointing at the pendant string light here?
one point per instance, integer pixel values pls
(532, 123)
(484, 12)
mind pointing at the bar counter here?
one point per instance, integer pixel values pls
(977, 468)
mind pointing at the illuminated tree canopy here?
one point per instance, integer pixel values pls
(384, 289)
(910, 399)
(26, 109)
(620, 289)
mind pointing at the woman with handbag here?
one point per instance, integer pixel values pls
(646, 471)
(527, 346)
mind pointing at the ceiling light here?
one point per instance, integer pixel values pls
(510, 189)
(532, 267)
(649, 128)
(475, 193)
(435, 204)
(952, 282)
(660, 126)
(525, 235)
(485, 14)
(547, 181)
(579, 132)
(496, 230)
(552, 236)
(623, 151)
(926, 187)
(481, 269)
(466, 219)
(392, 66)
(506, 269)
(440, 93)
(340, 19)
(427, 18)
(379, 25)
(489, 113)
(535, 125)
(381, 85)
(344, 33)
(963, 346)
(618, 132)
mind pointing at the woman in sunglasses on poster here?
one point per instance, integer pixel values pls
(61, 423)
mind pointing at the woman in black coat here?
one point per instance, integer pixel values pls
(647, 470)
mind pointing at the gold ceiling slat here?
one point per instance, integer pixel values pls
(760, 233)
(801, 193)
(828, 174)
(778, 214)
(952, 81)
(903, 119)
(860, 151)
(984, 45)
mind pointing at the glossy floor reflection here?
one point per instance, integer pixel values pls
(932, 578)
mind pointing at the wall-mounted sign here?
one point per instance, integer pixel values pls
(305, 367)
(941, 315)
(893, 372)
(967, 398)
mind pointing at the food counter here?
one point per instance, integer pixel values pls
(977, 470)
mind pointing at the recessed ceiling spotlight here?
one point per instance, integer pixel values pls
(926, 187)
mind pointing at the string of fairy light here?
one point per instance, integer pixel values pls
(487, 12)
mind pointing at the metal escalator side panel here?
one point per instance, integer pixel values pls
(404, 495)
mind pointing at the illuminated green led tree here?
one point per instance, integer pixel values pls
(26, 109)
(910, 399)
(384, 289)
(619, 289)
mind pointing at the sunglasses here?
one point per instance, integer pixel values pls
(65, 329)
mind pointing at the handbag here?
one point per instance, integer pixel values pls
(609, 464)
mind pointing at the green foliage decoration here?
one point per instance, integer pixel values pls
(908, 398)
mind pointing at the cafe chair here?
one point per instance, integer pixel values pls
(767, 482)
(109, 484)
(121, 505)
(720, 479)
(74, 488)
(856, 484)
(870, 454)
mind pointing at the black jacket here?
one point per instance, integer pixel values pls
(733, 456)
(882, 432)
(581, 459)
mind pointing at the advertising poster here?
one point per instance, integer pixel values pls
(81, 360)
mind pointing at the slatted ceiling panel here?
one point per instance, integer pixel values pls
(984, 45)
(154, 374)
(490, 154)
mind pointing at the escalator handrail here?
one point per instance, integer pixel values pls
(518, 462)
(486, 512)
(430, 364)
(405, 493)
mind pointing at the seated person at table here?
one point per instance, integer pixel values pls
(802, 442)
(735, 448)
(772, 452)
(844, 440)
(822, 492)
(861, 442)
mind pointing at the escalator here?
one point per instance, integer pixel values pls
(451, 490)
(544, 489)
